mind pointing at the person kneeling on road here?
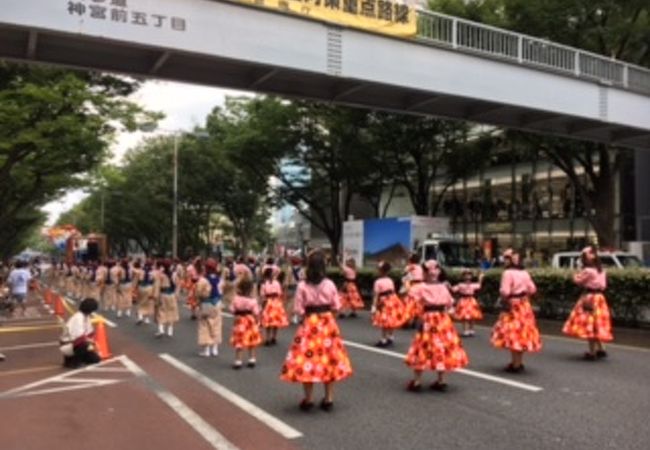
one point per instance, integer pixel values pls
(77, 343)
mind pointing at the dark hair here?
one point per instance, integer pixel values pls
(268, 273)
(414, 258)
(281, 277)
(595, 263)
(88, 306)
(315, 267)
(270, 261)
(384, 268)
(245, 287)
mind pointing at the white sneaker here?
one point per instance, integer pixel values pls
(214, 351)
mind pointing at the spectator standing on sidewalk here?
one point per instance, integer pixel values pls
(18, 280)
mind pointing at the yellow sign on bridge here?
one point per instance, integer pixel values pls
(380, 16)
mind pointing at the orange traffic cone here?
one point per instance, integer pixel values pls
(59, 310)
(101, 340)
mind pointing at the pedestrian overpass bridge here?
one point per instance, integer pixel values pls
(452, 68)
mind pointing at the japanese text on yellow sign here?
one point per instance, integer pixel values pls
(381, 16)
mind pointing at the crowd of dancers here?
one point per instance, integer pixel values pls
(258, 298)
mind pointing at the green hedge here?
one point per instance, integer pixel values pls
(628, 292)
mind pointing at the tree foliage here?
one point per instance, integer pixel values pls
(55, 126)
(619, 29)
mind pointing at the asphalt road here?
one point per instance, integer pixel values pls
(578, 404)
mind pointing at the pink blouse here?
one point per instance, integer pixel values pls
(192, 273)
(383, 284)
(590, 278)
(242, 270)
(516, 282)
(433, 294)
(349, 273)
(467, 289)
(416, 272)
(309, 295)
(271, 288)
(275, 269)
(240, 303)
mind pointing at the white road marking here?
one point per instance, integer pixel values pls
(471, 373)
(204, 429)
(57, 390)
(64, 378)
(264, 417)
(28, 346)
(582, 342)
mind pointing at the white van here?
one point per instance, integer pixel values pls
(610, 260)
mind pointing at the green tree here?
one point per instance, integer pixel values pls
(311, 152)
(55, 126)
(416, 151)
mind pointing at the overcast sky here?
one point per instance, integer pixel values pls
(184, 106)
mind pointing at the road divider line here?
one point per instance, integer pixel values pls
(246, 406)
(204, 429)
(30, 370)
(34, 328)
(471, 373)
(581, 341)
(28, 346)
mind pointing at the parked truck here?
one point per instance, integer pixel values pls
(395, 239)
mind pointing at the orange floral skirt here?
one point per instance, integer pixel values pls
(593, 322)
(468, 308)
(390, 313)
(517, 329)
(413, 309)
(317, 354)
(245, 332)
(436, 345)
(350, 297)
(274, 314)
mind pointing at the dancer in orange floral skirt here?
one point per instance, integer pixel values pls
(436, 345)
(351, 300)
(273, 316)
(387, 308)
(590, 318)
(467, 308)
(516, 328)
(414, 276)
(246, 331)
(317, 354)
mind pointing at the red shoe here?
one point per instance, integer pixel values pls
(589, 356)
(413, 386)
(306, 405)
(438, 386)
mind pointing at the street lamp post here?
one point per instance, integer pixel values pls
(175, 213)
(176, 135)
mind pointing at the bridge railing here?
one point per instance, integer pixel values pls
(494, 42)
